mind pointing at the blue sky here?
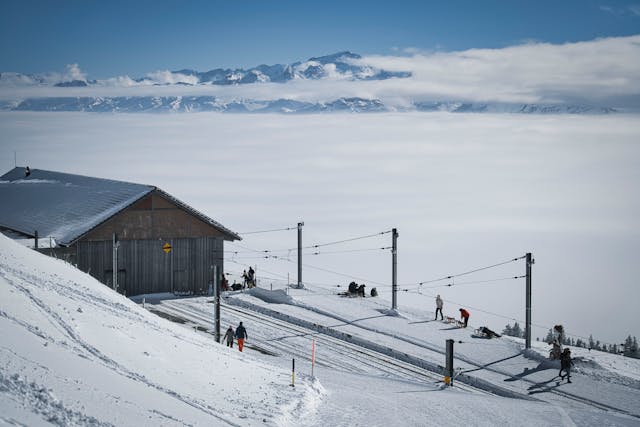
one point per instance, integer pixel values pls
(136, 37)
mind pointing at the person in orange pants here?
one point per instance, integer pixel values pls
(241, 335)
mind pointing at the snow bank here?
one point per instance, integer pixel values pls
(75, 352)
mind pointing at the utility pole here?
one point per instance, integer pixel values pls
(394, 270)
(448, 370)
(216, 298)
(116, 243)
(300, 285)
(171, 261)
(527, 327)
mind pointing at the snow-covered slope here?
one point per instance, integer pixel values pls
(75, 353)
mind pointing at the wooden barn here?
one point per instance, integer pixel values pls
(155, 242)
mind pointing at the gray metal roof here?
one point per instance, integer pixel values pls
(66, 206)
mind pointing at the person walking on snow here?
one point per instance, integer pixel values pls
(251, 279)
(439, 307)
(464, 315)
(241, 335)
(565, 364)
(245, 279)
(229, 337)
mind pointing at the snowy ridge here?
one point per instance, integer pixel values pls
(341, 65)
(186, 104)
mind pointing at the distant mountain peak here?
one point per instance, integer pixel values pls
(334, 65)
(336, 57)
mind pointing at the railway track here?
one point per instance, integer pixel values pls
(349, 356)
(339, 354)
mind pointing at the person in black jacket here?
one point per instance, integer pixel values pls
(565, 364)
(353, 287)
(229, 337)
(488, 332)
(241, 335)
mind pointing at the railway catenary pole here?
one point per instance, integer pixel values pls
(448, 370)
(300, 224)
(216, 298)
(394, 270)
(114, 267)
(527, 327)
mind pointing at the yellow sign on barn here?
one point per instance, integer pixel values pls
(166, 248)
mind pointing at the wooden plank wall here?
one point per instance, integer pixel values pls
(144, 268)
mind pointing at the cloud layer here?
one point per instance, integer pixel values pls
(535, 72)
(602, 71)
(463, 190)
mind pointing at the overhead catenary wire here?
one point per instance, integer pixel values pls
(423, 282)
(350, 276)
(318, 245)
(346, 240)
(408, 287)
(267, 256)
(475, 282)
(347, 251)
(268, 231)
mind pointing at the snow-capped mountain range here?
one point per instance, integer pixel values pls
(341, 66)
(159, 104)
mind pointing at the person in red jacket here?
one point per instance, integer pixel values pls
(464, 315)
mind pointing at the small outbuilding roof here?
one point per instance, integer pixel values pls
(66, 206)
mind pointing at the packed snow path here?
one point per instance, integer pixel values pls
(277, 337)
(537, 379)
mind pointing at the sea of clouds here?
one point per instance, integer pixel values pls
(598, 72)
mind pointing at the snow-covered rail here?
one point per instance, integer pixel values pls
(474, 382)
(362, 355)
(353, 356)
(357, 354)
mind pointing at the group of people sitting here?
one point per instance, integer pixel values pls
(248, 281)
(356, 290)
